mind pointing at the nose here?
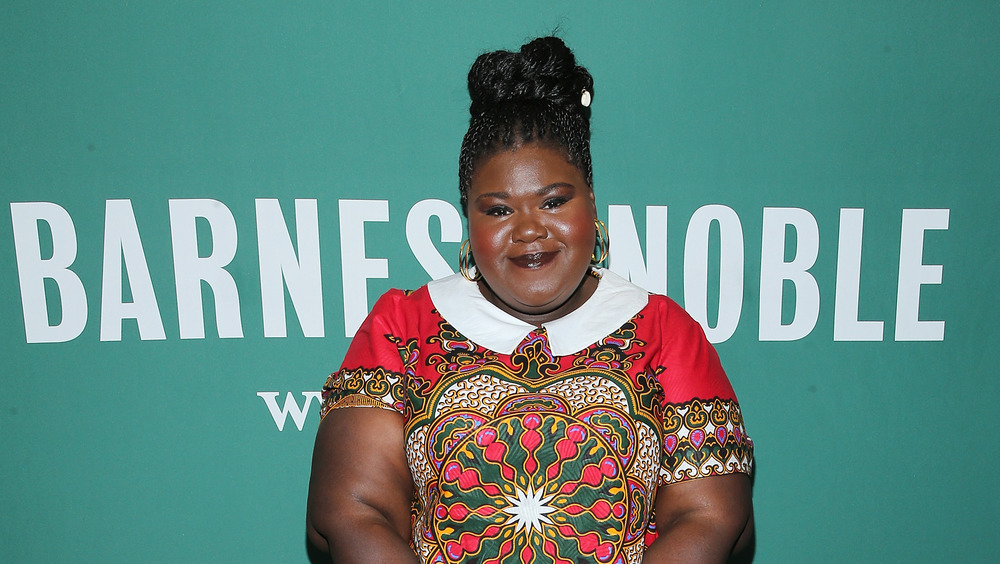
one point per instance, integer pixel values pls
(528, 227)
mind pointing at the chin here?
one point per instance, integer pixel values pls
(540, 302)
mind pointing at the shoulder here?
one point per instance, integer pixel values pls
(671, 318)
(396, 299)
(399, 312)
(671, 311)
(666, 305)
(691, 366)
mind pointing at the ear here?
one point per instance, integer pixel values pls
(593, 203)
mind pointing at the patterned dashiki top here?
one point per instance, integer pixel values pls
(545, 444)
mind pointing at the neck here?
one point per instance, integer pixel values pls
(583, 291)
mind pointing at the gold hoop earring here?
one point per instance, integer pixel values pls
(603, 243)
(466, 262)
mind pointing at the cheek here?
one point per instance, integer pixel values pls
(580, 233)
(486, 241)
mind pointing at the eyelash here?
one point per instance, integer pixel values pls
(497, 211)
(554, 202)
(551, 203)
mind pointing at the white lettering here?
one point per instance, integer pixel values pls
(356, 267)
(290, 407)
(418, 234)
(55, 307)
(774, 270)
(913, 274)
(190, 269)
(730, 270)
(32, 270)
(279, 267)
(625, 255)
(122, 243)
(846, 326)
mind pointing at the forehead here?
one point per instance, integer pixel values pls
(528, 166)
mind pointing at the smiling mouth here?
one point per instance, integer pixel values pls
(533, 260)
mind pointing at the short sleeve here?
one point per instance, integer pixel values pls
(703, 431)
(372, 372)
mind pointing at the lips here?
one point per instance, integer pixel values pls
(533, 260)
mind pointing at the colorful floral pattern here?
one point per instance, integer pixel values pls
(531, 484)
(530, 457)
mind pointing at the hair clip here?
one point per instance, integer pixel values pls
(585, 98)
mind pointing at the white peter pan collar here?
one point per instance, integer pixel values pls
(461, 304)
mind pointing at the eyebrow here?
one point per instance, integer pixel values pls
(540, 192)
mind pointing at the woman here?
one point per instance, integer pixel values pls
(536, 408)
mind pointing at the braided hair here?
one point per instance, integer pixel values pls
(537, 95)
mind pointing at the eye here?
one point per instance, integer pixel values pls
(554, 202)
(497, 211)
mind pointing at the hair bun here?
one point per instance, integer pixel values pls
(543, 70)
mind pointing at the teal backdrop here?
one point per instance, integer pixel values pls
(874, 443)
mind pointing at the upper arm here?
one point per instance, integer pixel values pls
(703, 520)
(360, 487)
(703, 431)
(703, 504)
(725, 500)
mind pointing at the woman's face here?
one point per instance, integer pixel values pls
(531, 228)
